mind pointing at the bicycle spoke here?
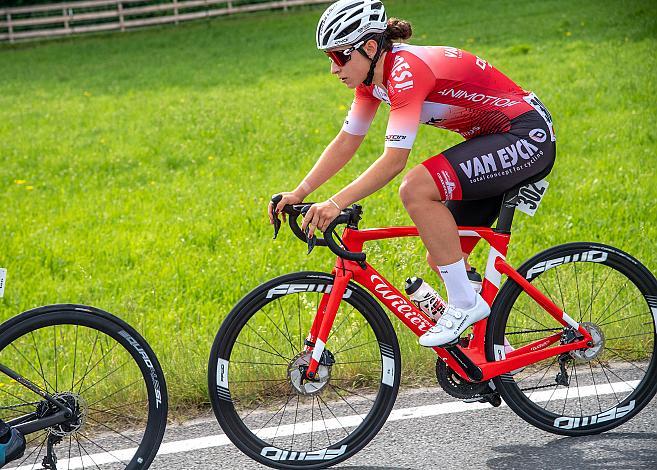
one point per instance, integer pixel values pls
(101, 448)
(623, 319)
(579, 304)
(615, 352)
(259, 349)
(612, 301)
(75, 356)
(595, 386)
(579, 398)
(54, 338)
(333, 414)
(352, 393)
(630, 336)
(353, 347)
(608, 381)
(114, 393)
(267, 343)
(105, 377)
(93, 349)
(281, 331)
(113, 430)
(328, 438)
(289, 335)
(334, 331)
(45, 388)
(88, 454)
(530, 317)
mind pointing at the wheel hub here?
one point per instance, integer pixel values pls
(598, 339)
(76, 404)
(297, 376)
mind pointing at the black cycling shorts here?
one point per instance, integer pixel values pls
(473, 176)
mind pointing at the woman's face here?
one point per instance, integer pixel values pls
(354, 72)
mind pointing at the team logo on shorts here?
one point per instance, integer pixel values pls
(538, 135)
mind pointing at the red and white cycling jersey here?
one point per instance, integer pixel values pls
(444, 87)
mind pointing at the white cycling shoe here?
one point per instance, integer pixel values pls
(454, 322)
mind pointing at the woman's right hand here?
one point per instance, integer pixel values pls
(288, 198)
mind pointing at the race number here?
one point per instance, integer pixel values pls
(530, 196)
(3, 278)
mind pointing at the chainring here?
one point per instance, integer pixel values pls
(456, 386)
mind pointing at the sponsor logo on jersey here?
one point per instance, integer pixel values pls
(479, 98)
(481, 63)
(503, 158)
(401, 75)
(538, 135)
(446, 183)
(570, 422)
(453, 53)
(395, 138)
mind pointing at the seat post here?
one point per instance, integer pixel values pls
(507, 210)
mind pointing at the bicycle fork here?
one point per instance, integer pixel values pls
(323, 321)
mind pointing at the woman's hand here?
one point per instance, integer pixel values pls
(319, 216)
(288, 198)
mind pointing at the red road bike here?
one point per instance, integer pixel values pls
(305, 369)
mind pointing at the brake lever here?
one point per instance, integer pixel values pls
(312, 241)
(277, 225)
(275, 199)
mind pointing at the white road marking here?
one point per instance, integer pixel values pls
(414, 412)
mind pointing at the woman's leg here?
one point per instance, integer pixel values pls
(439, 233)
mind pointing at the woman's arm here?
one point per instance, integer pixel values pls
(384, 169)
(333, 158)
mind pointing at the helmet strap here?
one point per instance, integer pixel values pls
(373, 60)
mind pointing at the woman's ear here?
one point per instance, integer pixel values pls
(370, 48)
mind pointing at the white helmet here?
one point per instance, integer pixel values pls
(346, 22)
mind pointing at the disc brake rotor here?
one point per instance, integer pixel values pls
(296, 375)
(598, 338)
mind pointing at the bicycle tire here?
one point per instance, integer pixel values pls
(629, 372)
(28, 336)
(225, 393)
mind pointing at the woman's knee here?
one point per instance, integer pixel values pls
(418, 186)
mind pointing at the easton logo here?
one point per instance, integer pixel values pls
(591, 256)
(569, 422)
(286, 289)
(274, 453)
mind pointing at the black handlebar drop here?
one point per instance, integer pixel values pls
(349, 216)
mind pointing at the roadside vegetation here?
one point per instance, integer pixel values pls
(136, 168)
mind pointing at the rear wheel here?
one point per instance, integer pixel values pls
(585, 391)
(102, 369)
(254, 374)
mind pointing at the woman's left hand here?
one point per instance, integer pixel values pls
(319, 216)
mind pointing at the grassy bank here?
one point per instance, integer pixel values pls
(136, 167)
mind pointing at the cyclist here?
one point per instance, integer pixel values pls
(508, 134)
(12, 444)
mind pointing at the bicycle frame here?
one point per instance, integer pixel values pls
(469, 361)
(31, 423)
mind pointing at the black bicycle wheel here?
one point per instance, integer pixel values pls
(585, 391)
(254, 374)
(105, 372)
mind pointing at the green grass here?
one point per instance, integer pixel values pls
(136, 167)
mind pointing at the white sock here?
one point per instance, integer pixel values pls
(460, 292)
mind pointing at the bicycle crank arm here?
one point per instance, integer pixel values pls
(474, 373)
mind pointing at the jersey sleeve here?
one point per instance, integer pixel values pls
(410, 82)
(362, 112)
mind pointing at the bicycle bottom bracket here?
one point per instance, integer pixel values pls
(590, 353)
(296, 374)
(75, 423)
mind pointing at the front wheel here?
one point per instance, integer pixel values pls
(255, 383)
(591, 390)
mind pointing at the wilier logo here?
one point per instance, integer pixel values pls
(538, 135)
